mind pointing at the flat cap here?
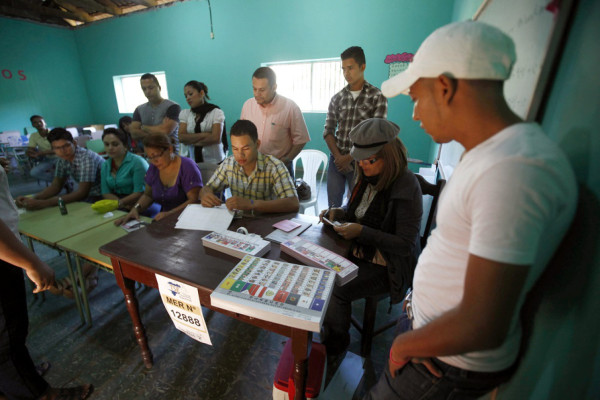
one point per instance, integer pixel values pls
(370, 135)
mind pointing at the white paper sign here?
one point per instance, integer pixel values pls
(183, 306)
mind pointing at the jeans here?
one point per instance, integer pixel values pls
(290, 168)
(336, 183)
(44, 170)
(415, 382)
(18, 376)
(371, 280)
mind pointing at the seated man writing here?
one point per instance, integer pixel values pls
(258, 182)
(76, 162)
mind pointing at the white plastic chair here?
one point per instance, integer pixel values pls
(311, 162)
(97, 135)
(13, 146)
(74, 132)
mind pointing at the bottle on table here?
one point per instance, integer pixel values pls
(62, 206)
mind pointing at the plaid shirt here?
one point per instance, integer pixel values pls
(85, 167)
(345, 113)
(269, 180)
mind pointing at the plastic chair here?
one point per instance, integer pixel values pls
(311, 162)
(95, 145)
(367, 328)
(74, 132)
(14, 147)
(207, 170)
(82, 140)
(97, 135)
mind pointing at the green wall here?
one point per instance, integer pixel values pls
(53, 84)
(177, 40)
(66, 68)
(563, 361)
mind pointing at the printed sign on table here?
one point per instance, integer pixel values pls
(183, 306)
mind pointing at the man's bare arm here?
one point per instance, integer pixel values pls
(481, 320)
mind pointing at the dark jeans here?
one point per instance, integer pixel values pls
(290, 168)
(414, 381)
(371, 280)
(337, 182)
(18, 376)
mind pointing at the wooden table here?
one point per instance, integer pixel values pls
(50, 227)
(179, 254)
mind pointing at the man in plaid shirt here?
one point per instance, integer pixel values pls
(358, 101)
(76, 162)
(258, 182)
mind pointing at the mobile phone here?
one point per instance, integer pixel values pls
(334, 223)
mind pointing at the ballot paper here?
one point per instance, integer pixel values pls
(279, 236)
(183, 306)
(197, 217)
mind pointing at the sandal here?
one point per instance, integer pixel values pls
(42, 368)
(63, 287)
(67, 287)
(90, 275)
(71, 393)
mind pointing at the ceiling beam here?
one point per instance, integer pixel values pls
(147, 3)
(25, 11)
(75, 10)
(96, 6)
(114, 10)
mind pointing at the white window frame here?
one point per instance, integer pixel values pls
(129, 93)
(310, 83)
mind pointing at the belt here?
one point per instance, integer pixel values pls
(407, 305)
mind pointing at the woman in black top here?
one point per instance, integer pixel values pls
(383, 220)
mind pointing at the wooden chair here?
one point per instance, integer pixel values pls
(367, 328)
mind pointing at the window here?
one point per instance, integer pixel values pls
(129, 93)
(310, 83)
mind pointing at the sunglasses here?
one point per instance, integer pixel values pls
(369, 160)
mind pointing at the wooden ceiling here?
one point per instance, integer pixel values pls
(73, 13)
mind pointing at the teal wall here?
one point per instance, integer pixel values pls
(563, 361)
(66, 68)
(54, 85)
(177, 40)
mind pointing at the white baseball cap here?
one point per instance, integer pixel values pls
(461, 50)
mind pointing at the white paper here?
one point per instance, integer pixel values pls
(183, 306)
(197, 217)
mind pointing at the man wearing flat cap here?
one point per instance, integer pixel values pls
(501, 216)
(383, 220)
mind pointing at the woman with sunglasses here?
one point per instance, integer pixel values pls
(383, 221)
(171, 181)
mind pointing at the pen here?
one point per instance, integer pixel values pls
(326, 215)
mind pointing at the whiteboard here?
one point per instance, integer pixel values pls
(536, 30)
